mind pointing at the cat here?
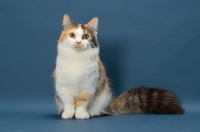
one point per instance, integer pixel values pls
(82, 86)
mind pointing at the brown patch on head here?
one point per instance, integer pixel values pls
(77, 25)
(65, 33)
(93, 37)
(83, 97)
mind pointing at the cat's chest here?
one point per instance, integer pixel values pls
(76, 70)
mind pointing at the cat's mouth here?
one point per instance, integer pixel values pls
(79, 46)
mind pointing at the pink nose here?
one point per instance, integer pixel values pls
(78, 42)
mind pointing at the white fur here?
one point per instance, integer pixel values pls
(76, 72)
(98, 105)
(81, 113)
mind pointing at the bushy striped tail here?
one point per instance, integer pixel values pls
(146, 100)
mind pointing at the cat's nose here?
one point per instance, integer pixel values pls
(78, 42)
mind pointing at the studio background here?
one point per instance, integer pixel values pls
(143, 42)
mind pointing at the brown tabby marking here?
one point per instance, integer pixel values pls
(105, 88)
(146, 100)
(83, 26)
(103, 81)
(125, 102)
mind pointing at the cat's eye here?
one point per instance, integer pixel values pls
(85, 36)
(72, 35)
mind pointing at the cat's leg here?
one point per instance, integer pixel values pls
(68, 104)
(82, 102)
(99, 104)
(59, 104)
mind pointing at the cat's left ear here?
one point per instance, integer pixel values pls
(93, 24)
(67, 21)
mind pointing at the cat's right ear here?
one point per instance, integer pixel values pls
(67, 22)
(93, 24)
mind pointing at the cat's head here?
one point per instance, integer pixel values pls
(79, 36)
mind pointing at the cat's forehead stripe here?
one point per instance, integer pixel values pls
(80, 25)
(79, 31)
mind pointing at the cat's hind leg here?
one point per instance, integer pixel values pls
(100, 103)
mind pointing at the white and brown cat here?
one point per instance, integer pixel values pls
(82, 86)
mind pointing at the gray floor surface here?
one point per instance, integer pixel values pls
(43, 117)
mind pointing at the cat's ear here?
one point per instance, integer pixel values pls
(67, 21)
(93, 24)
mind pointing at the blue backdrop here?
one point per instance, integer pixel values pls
(143, 42)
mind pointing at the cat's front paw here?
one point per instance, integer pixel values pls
(67, 114)
(81, 113)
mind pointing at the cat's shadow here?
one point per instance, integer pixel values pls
(52, 116)
(58, 117)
